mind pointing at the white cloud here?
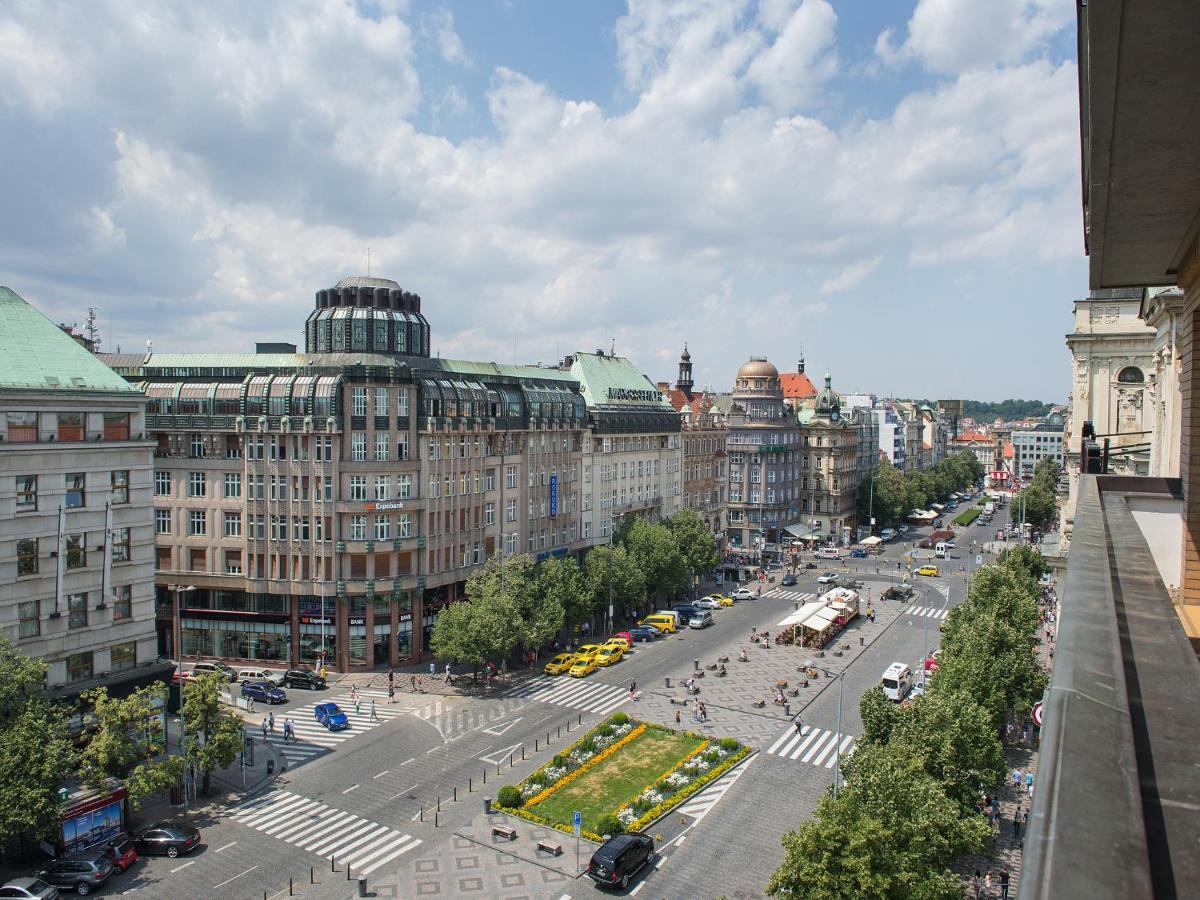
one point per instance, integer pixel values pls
(790, 71)
(850, 276)
(450, 46)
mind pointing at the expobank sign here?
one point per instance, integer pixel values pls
(634, 395)
(383, 506)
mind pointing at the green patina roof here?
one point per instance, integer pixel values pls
(483, 369)
(596, 374)
(37, 354)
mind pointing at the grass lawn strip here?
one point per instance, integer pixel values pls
(607, 786)
(583, 769)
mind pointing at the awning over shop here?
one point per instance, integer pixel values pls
(820, 619)
(871, 541)
(801, 614)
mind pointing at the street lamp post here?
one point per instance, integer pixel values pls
(837, 749)
(945, 603)
(178, 589)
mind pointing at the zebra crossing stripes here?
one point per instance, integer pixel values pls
(790, 595)
(314, 827)
(590, 696)
(313, 739)
(698, 805)
(814, 746)
(929, 612)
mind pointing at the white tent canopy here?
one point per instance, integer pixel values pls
(871, 541)
(801, 614)
(820, 619)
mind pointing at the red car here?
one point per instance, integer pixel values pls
(122, 853)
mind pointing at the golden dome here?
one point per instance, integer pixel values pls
(758, 367)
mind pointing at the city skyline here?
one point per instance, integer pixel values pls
(790, 170)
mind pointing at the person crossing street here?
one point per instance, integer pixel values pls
(374, 714)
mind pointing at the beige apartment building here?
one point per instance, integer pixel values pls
(76, 533)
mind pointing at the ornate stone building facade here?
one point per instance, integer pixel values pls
(705, 461)
(838, 449)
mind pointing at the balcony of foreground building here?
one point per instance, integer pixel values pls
(1117, 808)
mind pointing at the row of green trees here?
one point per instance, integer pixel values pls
(908, 806)
(120, 739)
(516, 605)
(895, 493)
(1040, 495)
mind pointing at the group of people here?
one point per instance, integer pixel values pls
(982, 884)
(289, 728)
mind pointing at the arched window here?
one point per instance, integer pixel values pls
(1130, 375)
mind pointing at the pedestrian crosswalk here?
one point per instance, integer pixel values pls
(312, 826)
(792, 596)
(698, 805)
(929, 612)
(313, 739)
(814, 746)
(578, 693)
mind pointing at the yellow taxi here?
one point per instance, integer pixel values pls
(584, 665)
(662, 623)
(560, 664)
(609, 655)
(588, 650)
(928, 570)
(618, 641)
(722, 599)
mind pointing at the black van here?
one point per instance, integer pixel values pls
(620, 858)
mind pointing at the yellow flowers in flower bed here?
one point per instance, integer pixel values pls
(669, 803)
(579, 770)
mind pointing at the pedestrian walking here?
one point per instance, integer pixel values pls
(412, 680)
(1004, 884)
(357, 706)
(1016, 825)
(391, 693)
(703, 712)
(391, 675)
(976, 883)
(271, 721)
(432, 670)
(374, 715)
(447, 673)
(996, 807)
(988, 806)
(354, 692)
(1029, 782)
(677, 717)
(1016, 778)
(289, 733)
(799, 723)
(987, 883)
(264, 729)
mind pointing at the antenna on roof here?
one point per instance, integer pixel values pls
(612, 347)
(368, 262)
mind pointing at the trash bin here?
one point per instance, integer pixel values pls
(787, 709)
(270, 767)
(487, 805)
(667, 679)
(362, 885)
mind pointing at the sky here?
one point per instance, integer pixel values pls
(890, 189)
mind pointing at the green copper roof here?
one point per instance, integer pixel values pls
(614, 380)
(37, 354)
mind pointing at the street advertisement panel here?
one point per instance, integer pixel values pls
(91, 827)
(553, 496)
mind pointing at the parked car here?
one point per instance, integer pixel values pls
(858, 553)
(263, 692)
(560, 664)
(583, 666)
(331, 716)
(723, 599)
(122, 853)
(701, 619)
(304, 678)
(79, 872)
(29, 888)
(828, 578)
(167, 838)
(588, 650)
(929, 570)
(898, 592)
(644, 632)
(622, 641)
(743, 594)
(788, 580)
(903, 529)
(685, 610)
(215, 665)
(619, 858)
(275, 676)
(828, 553)
(609, 655)
(707, 603)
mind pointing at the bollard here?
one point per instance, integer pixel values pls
(581, 718)
(667, 679)
(470, 785)
(560, 731)
(497, 768)
(510, 760)
(347, 871)
(787, 709)
(695, 665)
(485, 776)
(535, 745)
(860, 640)
(362, 885)
(289, 887)
(439, 805)
(487, 805)
(547, 737)
(422, 812)
(435, 820)
(456, 793)
(312, 875)
(333, 864)
(522, 753)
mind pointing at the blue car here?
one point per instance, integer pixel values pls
(263, 692)
(331, 716)
(643, 633)
(858, 553)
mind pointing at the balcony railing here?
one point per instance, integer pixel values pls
(1117, 807)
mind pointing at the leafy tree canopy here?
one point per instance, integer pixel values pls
(696, 543)
(612, 569)
(987, 411)
(655, 551)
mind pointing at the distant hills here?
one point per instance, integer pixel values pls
(984, 411)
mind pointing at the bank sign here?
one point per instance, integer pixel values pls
(634, 395)
(553, 496)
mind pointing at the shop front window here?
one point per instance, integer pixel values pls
(265, 641)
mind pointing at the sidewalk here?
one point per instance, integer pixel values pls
(1005, 850)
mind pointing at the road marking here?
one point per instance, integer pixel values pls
(406, 791)
(407, 761)
(499, 728)
(226, 847)
(235, 877)
(184, 866)
(352, 787)
(496, 757)
(641, 884)
(431, 750)
(380, 775)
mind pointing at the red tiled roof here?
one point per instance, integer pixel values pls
(699, 403)
(796, 386)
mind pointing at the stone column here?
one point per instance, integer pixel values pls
(1189, 460)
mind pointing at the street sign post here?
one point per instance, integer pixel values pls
(576, 826)
(1036, 714)
(979, 559)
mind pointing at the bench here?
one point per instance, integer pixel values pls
(505, 831)
(550, 847)
(678, 701)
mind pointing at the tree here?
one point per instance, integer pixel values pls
(696, 543)
(128, 745)
(886, 500)
(1040, 504)
(489, 623)
(38, 756)
(656, 552)
(611, 572)
(562, 579)
(1026, 560)
(879, 716)
(213, 737)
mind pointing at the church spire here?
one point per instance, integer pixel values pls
(684, 382)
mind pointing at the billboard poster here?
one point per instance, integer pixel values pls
(92, 827)
(553, 496)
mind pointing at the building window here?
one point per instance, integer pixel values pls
(510, 511)
(510, 543)
(30, 622)
(489, 514)
(383, 487)
(381, 401)
(162, 484)
(383, 528)
(76, 497)
(122, 656)
(27, 556)
(402, 446)
(196, 446)
(120, 545)
(404, 487)
(70, 426)
(233, 562)
(197, 484)
(1130, 375)
(233, 485)
(197, 522)
(76, 551)
(119, 485)
(162, 521)
(233, 524)
(510, 476)
(122, 602)
(79, 666)
(358, 401)
(116, 426)
(383, 446)
(22, 427)
(358, 446)
(358, 487)
(404, 525)
(402, 402)
(26, 493)
(77, 610)
(358, 528)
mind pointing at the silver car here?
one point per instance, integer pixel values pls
(29, 889)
